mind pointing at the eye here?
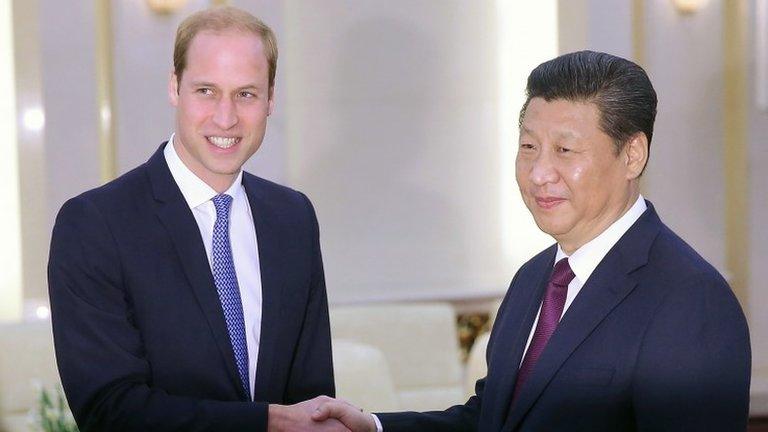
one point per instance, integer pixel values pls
(561, 149)
(246, 95)
(204, 91)
(527, 146)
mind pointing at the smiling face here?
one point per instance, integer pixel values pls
(222, 102)
(570, 176)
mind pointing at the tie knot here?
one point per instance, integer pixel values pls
(562, 275)
(222, 203)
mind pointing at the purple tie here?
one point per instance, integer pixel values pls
(549, 317)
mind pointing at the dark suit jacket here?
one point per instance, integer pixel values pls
(655, 341)
(141, 341)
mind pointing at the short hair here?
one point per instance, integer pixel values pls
(619, 88)
(223, 19)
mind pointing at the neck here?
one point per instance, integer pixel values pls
(218, 182)
(220, 185)
(569, 246)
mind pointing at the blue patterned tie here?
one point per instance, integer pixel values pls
(226, 284)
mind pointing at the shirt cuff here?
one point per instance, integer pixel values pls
(379, 427)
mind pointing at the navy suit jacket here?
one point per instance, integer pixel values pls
(141, 341)
(655, 341)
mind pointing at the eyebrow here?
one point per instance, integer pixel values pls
(210, 84)
(566, 135)
(526, 131)
(249, 87)
(202, 84)
(560, 135)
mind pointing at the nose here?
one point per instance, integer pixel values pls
(225, 115)
(542, 169)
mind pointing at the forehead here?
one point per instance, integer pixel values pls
(561, 116)
(228, 49)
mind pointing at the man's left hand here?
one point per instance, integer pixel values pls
(352, 417)
(300, 418)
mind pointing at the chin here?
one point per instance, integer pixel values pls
(551, 228)
(230, 170)
(543, 226)
(225, 168)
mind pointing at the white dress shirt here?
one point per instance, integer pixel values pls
(585, 259)
(242, 237)
(583, 262)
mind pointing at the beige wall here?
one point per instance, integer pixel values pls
(685, 176)
(67, 49)
(393, 112)
(392, 134)
(32, 172)
(757, 255)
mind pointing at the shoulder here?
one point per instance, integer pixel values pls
(281, 205)
(689, 288)
(272, 190)
(113, 197)
(86, 226)
(671, 256)
(276, 197)
(683, 276)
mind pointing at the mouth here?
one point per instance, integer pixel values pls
(549, 202)
(221, 142)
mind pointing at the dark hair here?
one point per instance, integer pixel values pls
(618, 87)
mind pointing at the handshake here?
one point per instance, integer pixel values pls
(321, 414)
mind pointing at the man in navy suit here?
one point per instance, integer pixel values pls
(620, 326)
(188, 295)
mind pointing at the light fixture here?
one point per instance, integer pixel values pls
(33, 119)
(36, 309)
(166, 6)
(43, 312)
(687, 7)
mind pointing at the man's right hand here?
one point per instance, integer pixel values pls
(299, 418)
(352, 417)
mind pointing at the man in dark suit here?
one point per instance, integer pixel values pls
(188, 295)
(620, 326)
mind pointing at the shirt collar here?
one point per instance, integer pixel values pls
(194, 190)
(585, 259)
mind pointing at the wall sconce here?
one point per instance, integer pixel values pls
(166, 6)
(687, 7)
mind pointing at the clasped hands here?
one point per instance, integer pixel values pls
(321, 414)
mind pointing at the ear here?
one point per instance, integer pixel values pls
(271, 100)
(173, 89)
(635, 154)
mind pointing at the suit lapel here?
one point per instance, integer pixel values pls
(598, 297)
(608, 285)
(177, 218)
(272, 264)
(514, 326)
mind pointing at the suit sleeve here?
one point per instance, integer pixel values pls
(99, 351)
(311, 372)
(458, 418)
(693, 370)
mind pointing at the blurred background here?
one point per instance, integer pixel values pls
(398, 118)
